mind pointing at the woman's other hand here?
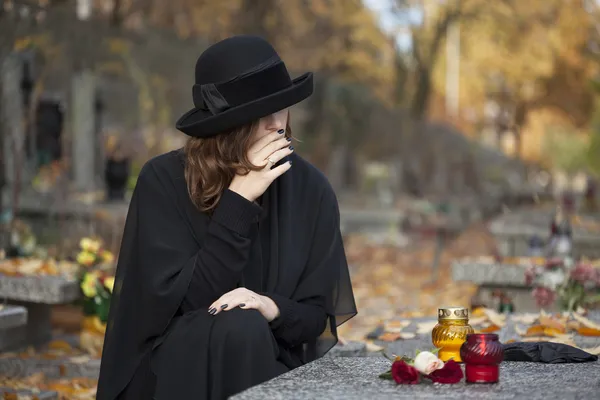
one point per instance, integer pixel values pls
(245, 299)
(266, 152)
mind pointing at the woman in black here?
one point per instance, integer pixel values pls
(232, 268)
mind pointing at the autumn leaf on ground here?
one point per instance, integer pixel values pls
(585, 331)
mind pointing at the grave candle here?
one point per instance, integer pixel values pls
(482, 354)
(451, 332)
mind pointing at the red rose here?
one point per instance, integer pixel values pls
(450, 373)
(404, 373)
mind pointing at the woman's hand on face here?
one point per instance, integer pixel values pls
(266, 152)
(245, 299)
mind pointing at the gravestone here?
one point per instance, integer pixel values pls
(12, 317)
(513, 231)
(11, 117)
(83, 127)
(491, 276)
(37, 294)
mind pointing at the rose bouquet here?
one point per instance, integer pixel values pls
(571, 284)
(425, 365)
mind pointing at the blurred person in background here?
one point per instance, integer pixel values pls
(116, 171)
(232, 269)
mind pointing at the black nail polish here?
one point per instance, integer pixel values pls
(223, 306)
(290, 162)
(212, 311)
(280, 131)
(288, 139)
(243, 305)
(291, 147)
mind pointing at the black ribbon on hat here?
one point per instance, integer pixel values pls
(261, 81)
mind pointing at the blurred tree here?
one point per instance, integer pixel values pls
(538, 51)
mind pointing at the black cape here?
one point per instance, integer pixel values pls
(174, 261)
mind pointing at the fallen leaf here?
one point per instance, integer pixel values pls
(390, 337)
(489, 329)
(478, 320)
(407, 335)
(424, 328)
(396, 326)
(496, 318)
(527, 319)
(585, 331)
(584, 321)
(59, 345)
(550, 322)
(535, 330)
(373, 348)
(80, 359)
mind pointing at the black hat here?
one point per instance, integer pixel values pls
(239, 80)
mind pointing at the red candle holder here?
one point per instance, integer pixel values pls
(482, 354)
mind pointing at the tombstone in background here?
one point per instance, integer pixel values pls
(12, 115)
(83, 127)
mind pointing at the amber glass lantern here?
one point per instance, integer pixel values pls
(451, 332)
(482, 354)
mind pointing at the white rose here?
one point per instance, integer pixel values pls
(427, 362)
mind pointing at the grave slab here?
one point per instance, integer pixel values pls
(12, 316)
(513, 231)
(39, 289)
(37, 294)
(510, 278)
(357, 378)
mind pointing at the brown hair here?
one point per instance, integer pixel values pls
(211, 163)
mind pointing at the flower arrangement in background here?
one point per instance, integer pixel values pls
(572, 284)
(92, 253)
(96, 282)
(425, 365)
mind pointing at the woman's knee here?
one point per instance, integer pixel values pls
(241, 328)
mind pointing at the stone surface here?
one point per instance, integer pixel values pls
(12, 316)
(513, 231)
(510, 278)
(357, 378)
(27, 394)
(39, 289)
(83, 91)
(37, 331)
(12, 114)
(68, 367)
(350, 349)
(489, 273)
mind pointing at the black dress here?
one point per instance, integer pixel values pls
(175, 261)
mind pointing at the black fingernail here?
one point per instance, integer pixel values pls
(243, 305)
(212, 311)
(280, 131)
(223, 306)
(290, 162)
(291, 147)
(288, 139)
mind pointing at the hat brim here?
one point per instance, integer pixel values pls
(201, 123)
